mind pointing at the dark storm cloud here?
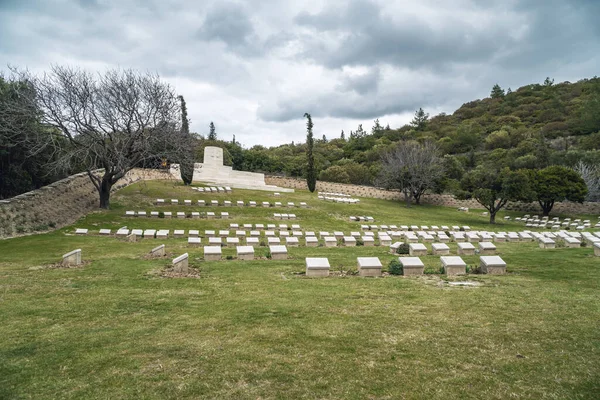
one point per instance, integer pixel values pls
(369, 37)
(363, 83)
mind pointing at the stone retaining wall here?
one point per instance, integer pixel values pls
(60, 203)
(435, 199)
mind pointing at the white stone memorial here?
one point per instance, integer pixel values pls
(213, 171)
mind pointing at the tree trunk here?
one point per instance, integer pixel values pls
(104, 192)
(492, 217)
(546, 207)
(407, 198)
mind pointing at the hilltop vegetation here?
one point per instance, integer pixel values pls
(535, 126)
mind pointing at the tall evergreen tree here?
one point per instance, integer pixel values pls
(187, 166)
(497, 92)
(212, 134)
(419, 122)
(311, 173)
(233, 140)
(324, 139)
(185, 122)
(342, 136)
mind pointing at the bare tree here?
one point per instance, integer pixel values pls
(113, 121)
(412, 168)
(591, 176)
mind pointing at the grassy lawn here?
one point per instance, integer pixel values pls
(116, 329)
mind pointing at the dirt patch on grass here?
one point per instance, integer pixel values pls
(60, 266)
(170, 273)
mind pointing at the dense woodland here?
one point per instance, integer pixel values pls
(533, 127)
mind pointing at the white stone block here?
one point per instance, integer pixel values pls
(492, 265)
(487, 248)
(417, 249)
(278, 252)
(72, 258)
(158, 251)
(180, 264)
(466, 248)
(212, 253)
(317, 267)
(245, 253)
(412, 265)
(440, 249)
(453, 265)
(369, 266)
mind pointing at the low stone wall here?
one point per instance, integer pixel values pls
(60, 203)
(435, 199)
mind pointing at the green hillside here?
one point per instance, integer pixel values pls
(532, 127)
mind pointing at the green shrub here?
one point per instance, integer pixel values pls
(395, 268)
(269, 254)
(229, 257)
(402, 249)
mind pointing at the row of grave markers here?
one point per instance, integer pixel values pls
(229, 203)
(212, 189)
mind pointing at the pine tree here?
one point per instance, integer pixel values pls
(342, 136)
(311, 174)
(376, 127)
(419, 122)
(233, 140)
(548, 82)
(324, 139)
(212, 135)
(497, 92)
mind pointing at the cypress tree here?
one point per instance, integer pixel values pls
(311, 174)
(187, 167)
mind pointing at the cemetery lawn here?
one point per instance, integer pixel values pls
(116, 329)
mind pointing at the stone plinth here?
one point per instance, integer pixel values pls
(317, 267)
(440, 249)
(466, 249)
(212, 253)
(487, 248)
(311, 241)
(572, 242)
(546, 243)
(492, 265)
(330, 241)
(453, 265)
(278, 252)
(72, 258)
(180, 264)
(417, 249)
(158, 251)
(349, 241)
(194, 241)
(369, 266)
(412, 265)
(245, 253)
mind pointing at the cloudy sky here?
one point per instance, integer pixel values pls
(255, 67)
